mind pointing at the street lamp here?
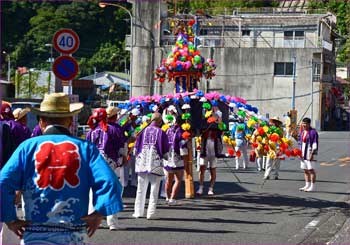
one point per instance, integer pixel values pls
(8, 65)
(103, 5)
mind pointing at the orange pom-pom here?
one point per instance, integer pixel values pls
(274, 137)
(238, 153)
(186, 135)
(261, 130)
(230, 151)
(211, 120)
(284, 146)
(287, 152)
(296, 152)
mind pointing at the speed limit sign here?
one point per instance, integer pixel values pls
(66, 41)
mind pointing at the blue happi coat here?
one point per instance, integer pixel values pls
(55, 172)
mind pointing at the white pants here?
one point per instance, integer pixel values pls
(275, 163)
(7, 236)
(142, 186)
(127, 168)
(244, 153)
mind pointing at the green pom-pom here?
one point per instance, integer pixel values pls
(149, 115)
(263, 124)
(185, 116)
(222, 126)
(206, 106)
(241, 114)
(279, 132)
(254, 118)
(137, 129)
(240, 127)
(123, 122)
(169, 117)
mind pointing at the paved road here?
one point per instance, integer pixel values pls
(246, 213)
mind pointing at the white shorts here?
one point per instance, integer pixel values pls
(308, 165)
(210, 162)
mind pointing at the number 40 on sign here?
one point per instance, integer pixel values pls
(66, 41)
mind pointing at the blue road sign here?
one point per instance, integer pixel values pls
(65, 68)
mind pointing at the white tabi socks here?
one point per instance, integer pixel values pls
(311, 188)
(307, 185)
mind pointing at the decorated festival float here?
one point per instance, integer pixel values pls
(199, 111)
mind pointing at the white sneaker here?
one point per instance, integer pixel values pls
(306, 186)
(172, 202)
(311, 188)
(211, 191)
(136, 216)
(200, 190)
(117, 227)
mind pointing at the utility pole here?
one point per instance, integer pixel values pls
(294, 83)
(312, 91)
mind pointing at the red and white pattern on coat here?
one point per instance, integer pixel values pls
(57, 164)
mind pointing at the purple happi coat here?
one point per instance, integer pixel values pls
(151, 147)
(111, 143)
(311, 143)
(36, 131)
(178, 148)
(19, 132)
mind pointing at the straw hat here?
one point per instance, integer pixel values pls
(20, 113)
(57, 105)
(276, 120)
(112, 111)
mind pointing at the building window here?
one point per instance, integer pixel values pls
(294, 39)
(245, 33)
(316, 72)
(283, 69)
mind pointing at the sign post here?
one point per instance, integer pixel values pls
(66, 41)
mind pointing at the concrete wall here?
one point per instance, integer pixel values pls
(248, 73)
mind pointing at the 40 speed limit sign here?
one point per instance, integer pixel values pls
(66, 41)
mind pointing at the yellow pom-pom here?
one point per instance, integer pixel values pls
(272, 154)
(165, 127)
(233, 143)
(186, 126)
(143, 125)
(208, 114)
(131, 145)
(248, 136)
(272, 146)
(226, 139)
(259, 138)
(250, 123)
(266, 128)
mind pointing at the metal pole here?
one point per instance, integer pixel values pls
(9, 68)
(294, 71)
(312, 91)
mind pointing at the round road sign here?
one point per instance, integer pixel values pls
(66, 41)
(65, 68)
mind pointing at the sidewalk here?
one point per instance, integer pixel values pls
(343, 236)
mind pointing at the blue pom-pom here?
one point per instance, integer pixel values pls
(162, 100)
(214, 103)
(223, 98)
(144, 104)
(199, 93)
(150, 107)
(176, 101)
(187, 99)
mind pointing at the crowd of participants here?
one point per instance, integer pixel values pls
(144, 149)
